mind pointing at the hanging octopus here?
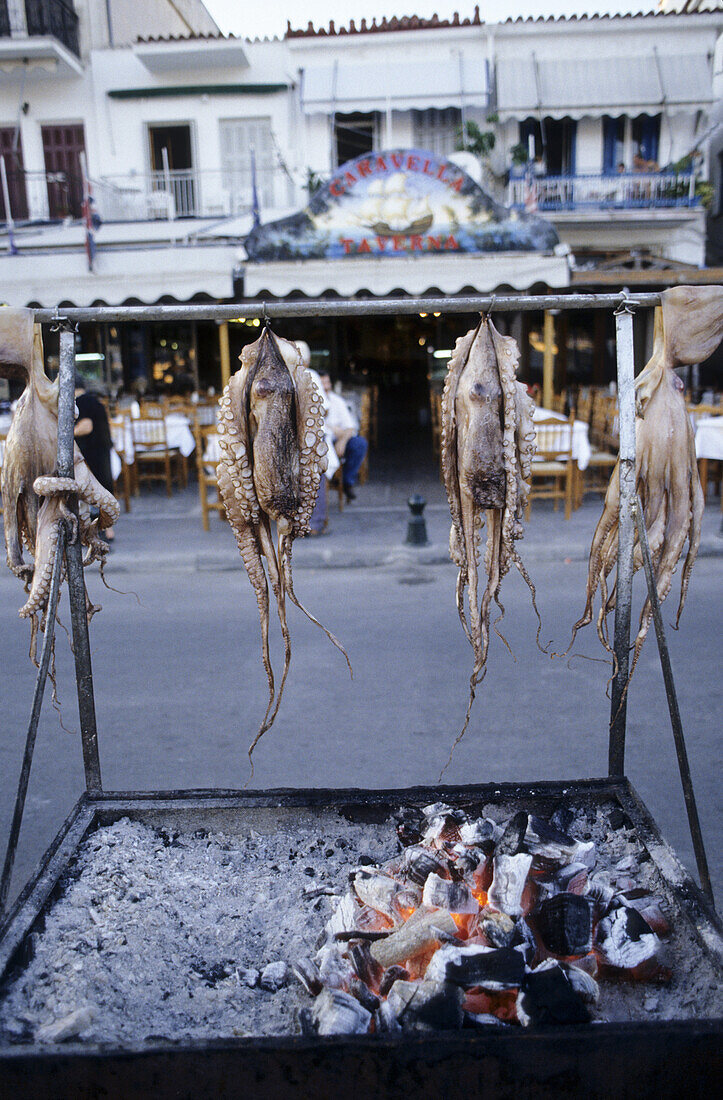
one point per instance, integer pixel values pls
(488, 442)
(688, 328)
(33, 494)
(273, 455)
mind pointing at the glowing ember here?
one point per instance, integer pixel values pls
(489, 923)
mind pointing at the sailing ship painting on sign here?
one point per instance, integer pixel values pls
(399, 201)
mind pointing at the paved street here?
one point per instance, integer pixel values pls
(181, 690)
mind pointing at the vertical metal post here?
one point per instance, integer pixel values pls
(45, 655)
(683, 765)
(74, 563)
(548, 360)
(225, 352)
(626, 537)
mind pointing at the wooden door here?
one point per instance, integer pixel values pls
(15, 173)
(62, 146)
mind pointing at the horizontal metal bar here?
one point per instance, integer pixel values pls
(346, 307)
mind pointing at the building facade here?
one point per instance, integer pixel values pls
(604, 127)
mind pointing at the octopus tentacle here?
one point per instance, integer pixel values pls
(285, 560)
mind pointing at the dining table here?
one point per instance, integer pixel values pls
(581, 449)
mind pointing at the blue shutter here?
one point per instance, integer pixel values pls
(610, 134)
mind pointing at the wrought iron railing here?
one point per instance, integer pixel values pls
(54, 17)
(189, 193)
(627, 191)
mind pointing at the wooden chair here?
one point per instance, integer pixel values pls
(118, 430)
(604, 433)
(207, 459)
(558, 403)
(583, 405)
(554, 466)
(153, 458)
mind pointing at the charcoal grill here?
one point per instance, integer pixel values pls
(660, 1058)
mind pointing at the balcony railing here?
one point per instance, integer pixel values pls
(627, 191)
(189, 194)
(56, 18)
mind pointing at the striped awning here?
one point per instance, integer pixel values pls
(404, 85)
(595, 86)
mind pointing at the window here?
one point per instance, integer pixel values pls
(554, 142)
(613, 144)
(437, 130)
(646, 138)
(239, 136)
(354, 135)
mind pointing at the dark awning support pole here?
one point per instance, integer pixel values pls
(685, 777)
(74, 563)
(626, 537)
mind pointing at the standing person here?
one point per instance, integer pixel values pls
(92, 434)
(348, 444)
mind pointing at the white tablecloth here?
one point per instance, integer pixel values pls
(581, 449)
(178, 434)
(709, 437)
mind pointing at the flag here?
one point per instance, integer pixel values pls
(255, 212)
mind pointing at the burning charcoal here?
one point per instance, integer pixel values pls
(628, 863)
(479, 831)
(445, 937)
(499, 1003)
(482, 1019)
(601, 892)
(406, 901)
(336, 971)
(377, 891)
(306, 1024)
(491, 968)
(67, 1027)
(338, 1013)
(409, 825)
(455, 897)
(343, 919)
(510, 843)
(565, 924)
(426, 1005)
(307, 972)
(588, 963)
(548, 843)
(508, 882)
(583, 983)
(547, 997)
(417, 934)
(497, 927)
(364, 995)
(572, 879)
(274, 976)
(366, 966)
(371, 920)
(420, 863)
(385, 1019)
(392, 975)
(625, 940)
(649, 909)
(562, 818)
(438, 809)
(524, 940)
(466, 863)
(441, 829)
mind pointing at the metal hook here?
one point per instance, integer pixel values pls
(264, 314)
(626, 305)
(488, 315)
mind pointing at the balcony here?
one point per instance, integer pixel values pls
(41, 32)
(627, 191)
(189, 193)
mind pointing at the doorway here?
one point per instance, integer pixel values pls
(62, 146)
(11, 149)
(177, 143)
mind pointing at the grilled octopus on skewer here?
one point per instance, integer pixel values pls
(488, 442)
(34, 497)
(273, 455)
(688, 328)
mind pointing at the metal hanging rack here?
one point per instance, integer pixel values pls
(630, 514)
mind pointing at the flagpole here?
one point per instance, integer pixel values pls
(8, 214)
(89, 241)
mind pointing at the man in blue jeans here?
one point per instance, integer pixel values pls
(348, 444)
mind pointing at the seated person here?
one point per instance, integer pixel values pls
(348, 444)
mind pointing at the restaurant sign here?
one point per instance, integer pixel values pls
(394, 202)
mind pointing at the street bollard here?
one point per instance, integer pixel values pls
(417, 526)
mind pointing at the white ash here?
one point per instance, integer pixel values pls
(183, 937)
(162, 936)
